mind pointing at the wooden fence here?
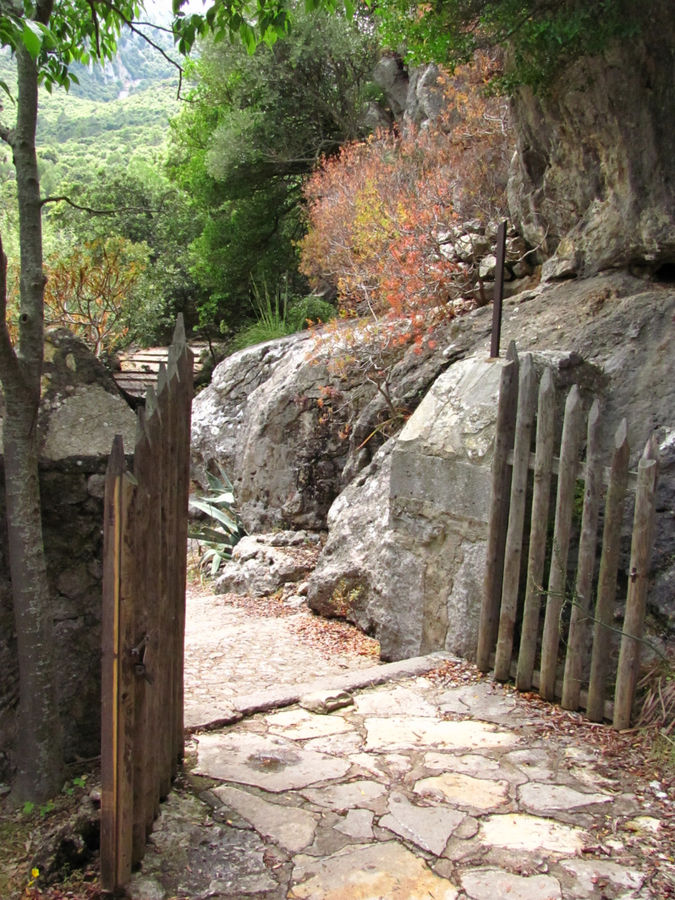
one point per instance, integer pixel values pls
(145, 545)
(522, 482)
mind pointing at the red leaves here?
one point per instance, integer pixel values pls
(379, 211)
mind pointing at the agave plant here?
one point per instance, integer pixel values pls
(221, 529)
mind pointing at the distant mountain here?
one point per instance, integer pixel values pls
(137, 66)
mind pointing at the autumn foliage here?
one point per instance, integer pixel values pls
(382, 211)
(89, 291)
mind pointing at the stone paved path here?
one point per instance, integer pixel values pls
(430, 785)
(234, 649)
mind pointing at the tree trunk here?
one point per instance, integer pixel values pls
(39, 750)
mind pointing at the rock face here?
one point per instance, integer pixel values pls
(80, 412)
(291, 431)
(273, 416)
(593, 179)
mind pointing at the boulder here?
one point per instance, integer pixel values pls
(383, 555)
(407, 544)
(274, 417)
(291, 428)
(262, 563)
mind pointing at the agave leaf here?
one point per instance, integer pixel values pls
(215, 513)
(212, 536)
(215, 565)
(227, 497)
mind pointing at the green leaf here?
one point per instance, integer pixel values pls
(248, 37)
(215, 564)
(32, 39)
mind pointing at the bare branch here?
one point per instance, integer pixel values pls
(135, 29)
(96, 212)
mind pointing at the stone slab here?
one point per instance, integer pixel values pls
(356, 823)
(298, 724)
(546, 797)
(271, 763)
(427, 826)
(518, 831)
(353, 794)
(464, 790)
(392, 700)
(290, 827)
(383, 870)
(588, 873)
(405, 732)
(489, 884)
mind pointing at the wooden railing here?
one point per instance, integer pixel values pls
(143, 619)
(582, 608)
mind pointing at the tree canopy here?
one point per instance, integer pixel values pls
(256, 124)
(539, 36)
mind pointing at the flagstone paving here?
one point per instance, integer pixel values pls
(409, 789)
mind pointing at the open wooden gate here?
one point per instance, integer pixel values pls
(577, 610)
(143, 619)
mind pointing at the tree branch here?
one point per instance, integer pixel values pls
(133, 27)
(95, 212)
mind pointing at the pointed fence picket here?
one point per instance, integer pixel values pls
(511, 611)
(145, 547)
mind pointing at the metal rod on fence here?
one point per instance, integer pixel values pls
(498, 292)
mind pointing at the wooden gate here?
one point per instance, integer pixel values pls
(143, 619)
(525, 417)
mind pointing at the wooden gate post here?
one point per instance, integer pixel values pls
(499, 509)
(586, 563)
(117, 676)
(514, 534)
(534, 590)
(609, 567)
(643, 528)
(557, 582)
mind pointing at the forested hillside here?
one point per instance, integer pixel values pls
(102, 144)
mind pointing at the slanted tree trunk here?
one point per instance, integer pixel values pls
(39, 750)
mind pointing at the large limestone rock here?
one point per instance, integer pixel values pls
(398, 557)
(291, 430)
(593, 179)
(407, 543)
(273, 417)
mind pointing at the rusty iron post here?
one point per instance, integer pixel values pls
(499, 292)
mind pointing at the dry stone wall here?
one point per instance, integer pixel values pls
(80, 413)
